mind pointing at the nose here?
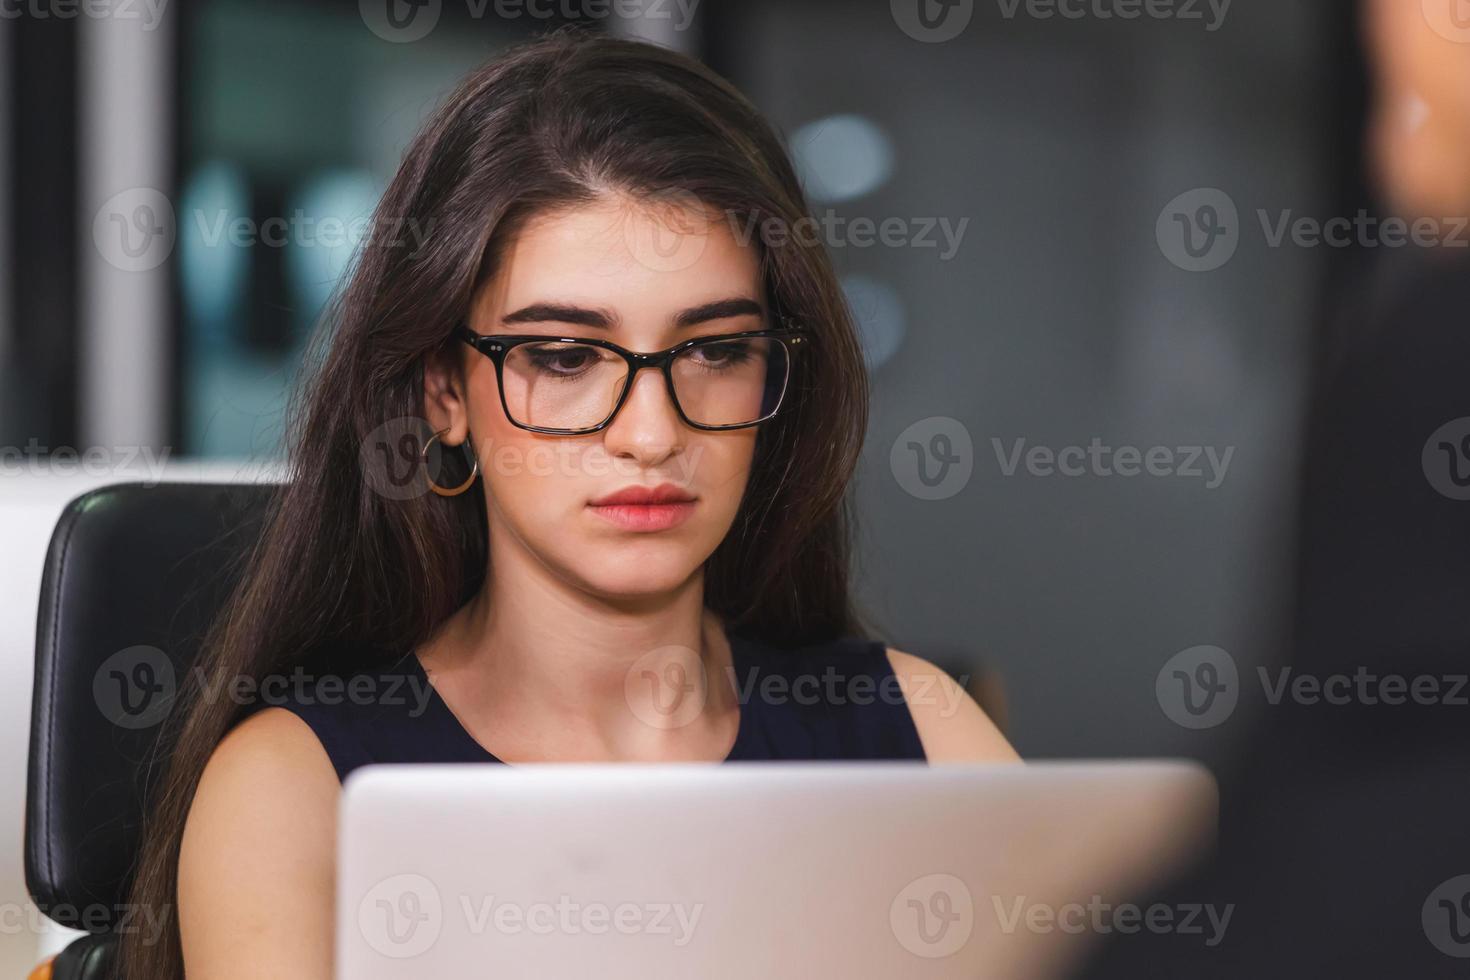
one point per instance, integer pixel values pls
(647, 428)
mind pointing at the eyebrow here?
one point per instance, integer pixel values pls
(589, 317)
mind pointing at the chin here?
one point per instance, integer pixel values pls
(638, 569)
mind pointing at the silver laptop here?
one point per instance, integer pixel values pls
(755, 870)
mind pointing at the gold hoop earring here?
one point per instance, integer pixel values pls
(441, 491)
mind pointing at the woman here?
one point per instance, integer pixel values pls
(634, 565)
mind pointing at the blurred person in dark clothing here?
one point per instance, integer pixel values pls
(1342, 844)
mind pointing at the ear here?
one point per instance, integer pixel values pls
(445, 404)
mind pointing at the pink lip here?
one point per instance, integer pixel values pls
(645, 517)
(664, 493)
(639, 508)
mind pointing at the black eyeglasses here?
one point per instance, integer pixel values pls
(576, 385)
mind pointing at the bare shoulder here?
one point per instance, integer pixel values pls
(952, 727)
(256, 863)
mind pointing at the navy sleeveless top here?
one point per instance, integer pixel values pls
(836, 700)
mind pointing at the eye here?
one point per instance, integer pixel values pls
(562, 360)
(725, 353)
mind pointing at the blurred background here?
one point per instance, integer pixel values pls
(1072, 234)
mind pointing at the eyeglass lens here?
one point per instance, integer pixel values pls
(556, 385)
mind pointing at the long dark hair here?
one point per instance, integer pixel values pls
(344, 575)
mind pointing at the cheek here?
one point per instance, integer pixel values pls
(718, 467)
(525, 472)
(541, 478)
(511, 458)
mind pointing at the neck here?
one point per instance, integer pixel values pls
(553, 669)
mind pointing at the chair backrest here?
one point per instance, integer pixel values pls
(133, 576)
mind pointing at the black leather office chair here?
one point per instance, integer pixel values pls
(133, 576)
